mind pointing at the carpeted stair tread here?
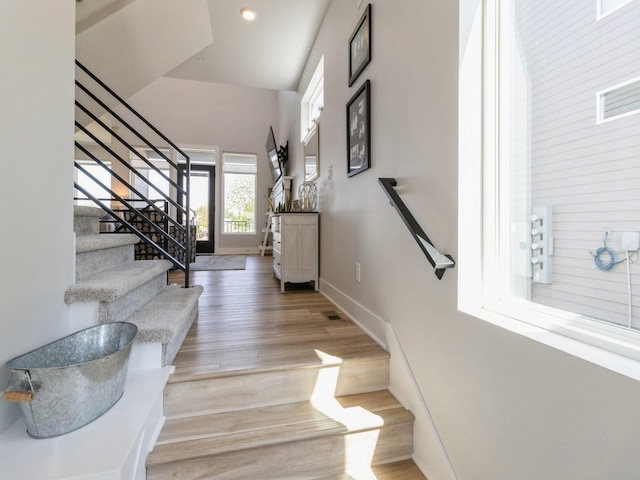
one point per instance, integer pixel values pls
(112, 284)
(98, 253)
(85, 220)
(192, 437)
(91, 243)
(160, 319)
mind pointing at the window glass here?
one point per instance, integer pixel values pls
(312, 102)
(606, 7)
(87, 183)
(560, 188)
(239, 193)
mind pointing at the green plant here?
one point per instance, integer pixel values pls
(272, 208)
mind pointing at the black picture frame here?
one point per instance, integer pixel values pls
(359, 130)
(360, 46)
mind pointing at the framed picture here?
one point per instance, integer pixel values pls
(359, 130)
(360, 46)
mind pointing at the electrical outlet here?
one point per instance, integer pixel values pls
(330, 172)
(358, 272)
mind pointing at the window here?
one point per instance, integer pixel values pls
(605, 7)
(83, 180)
(239, 193)
(619, 101)
(312, 102)
(158, 183)
(546, 191)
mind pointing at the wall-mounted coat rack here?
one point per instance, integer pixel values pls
(437, 260)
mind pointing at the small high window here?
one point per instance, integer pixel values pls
(605, 7)
(312, 102)
(620, 101)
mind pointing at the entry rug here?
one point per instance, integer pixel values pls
(219, 262)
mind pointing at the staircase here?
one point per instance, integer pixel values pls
(139, 161)
(317, 409)
(111, 286)
(122, 289)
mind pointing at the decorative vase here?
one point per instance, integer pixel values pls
(308, 195)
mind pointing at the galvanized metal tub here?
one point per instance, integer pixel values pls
(69, 383)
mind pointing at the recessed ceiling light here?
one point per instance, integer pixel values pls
(248, 14)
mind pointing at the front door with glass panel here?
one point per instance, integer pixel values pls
(201, 204)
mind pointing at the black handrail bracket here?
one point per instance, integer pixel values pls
(437, 260)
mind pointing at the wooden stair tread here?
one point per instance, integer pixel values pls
(219, 367)
(243, 400)
(401, 470)
(231, 353)
(198, 436)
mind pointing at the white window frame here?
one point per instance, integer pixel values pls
(248, 170)
(312, 103)
(481, 283)
(600, 8)
(600, 102)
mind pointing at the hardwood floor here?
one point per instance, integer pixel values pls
(247, 380)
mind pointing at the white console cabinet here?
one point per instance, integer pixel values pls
(295, 248)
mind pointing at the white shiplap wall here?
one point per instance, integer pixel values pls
(589, 172)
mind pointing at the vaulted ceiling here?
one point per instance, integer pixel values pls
(203, 40)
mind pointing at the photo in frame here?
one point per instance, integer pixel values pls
(359, 130)
(360, 46)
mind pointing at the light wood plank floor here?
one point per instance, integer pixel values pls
(246, 325)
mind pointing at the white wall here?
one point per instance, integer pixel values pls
(144, 38)
(235, 119)
(505, 407)
(36, 186)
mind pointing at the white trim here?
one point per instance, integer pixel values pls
(114, 446)
(372, 324)
(238, 251)
(600, 102)
(480, 261)
(403, 384)
(425, 429)
(599, 13)
(314, 89)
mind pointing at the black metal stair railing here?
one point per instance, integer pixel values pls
(165, 231)
(437, 260)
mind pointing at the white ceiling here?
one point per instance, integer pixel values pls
(269, 52)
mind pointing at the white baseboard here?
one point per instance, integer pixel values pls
(428, 446)
(238, 251)
(373, 325)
